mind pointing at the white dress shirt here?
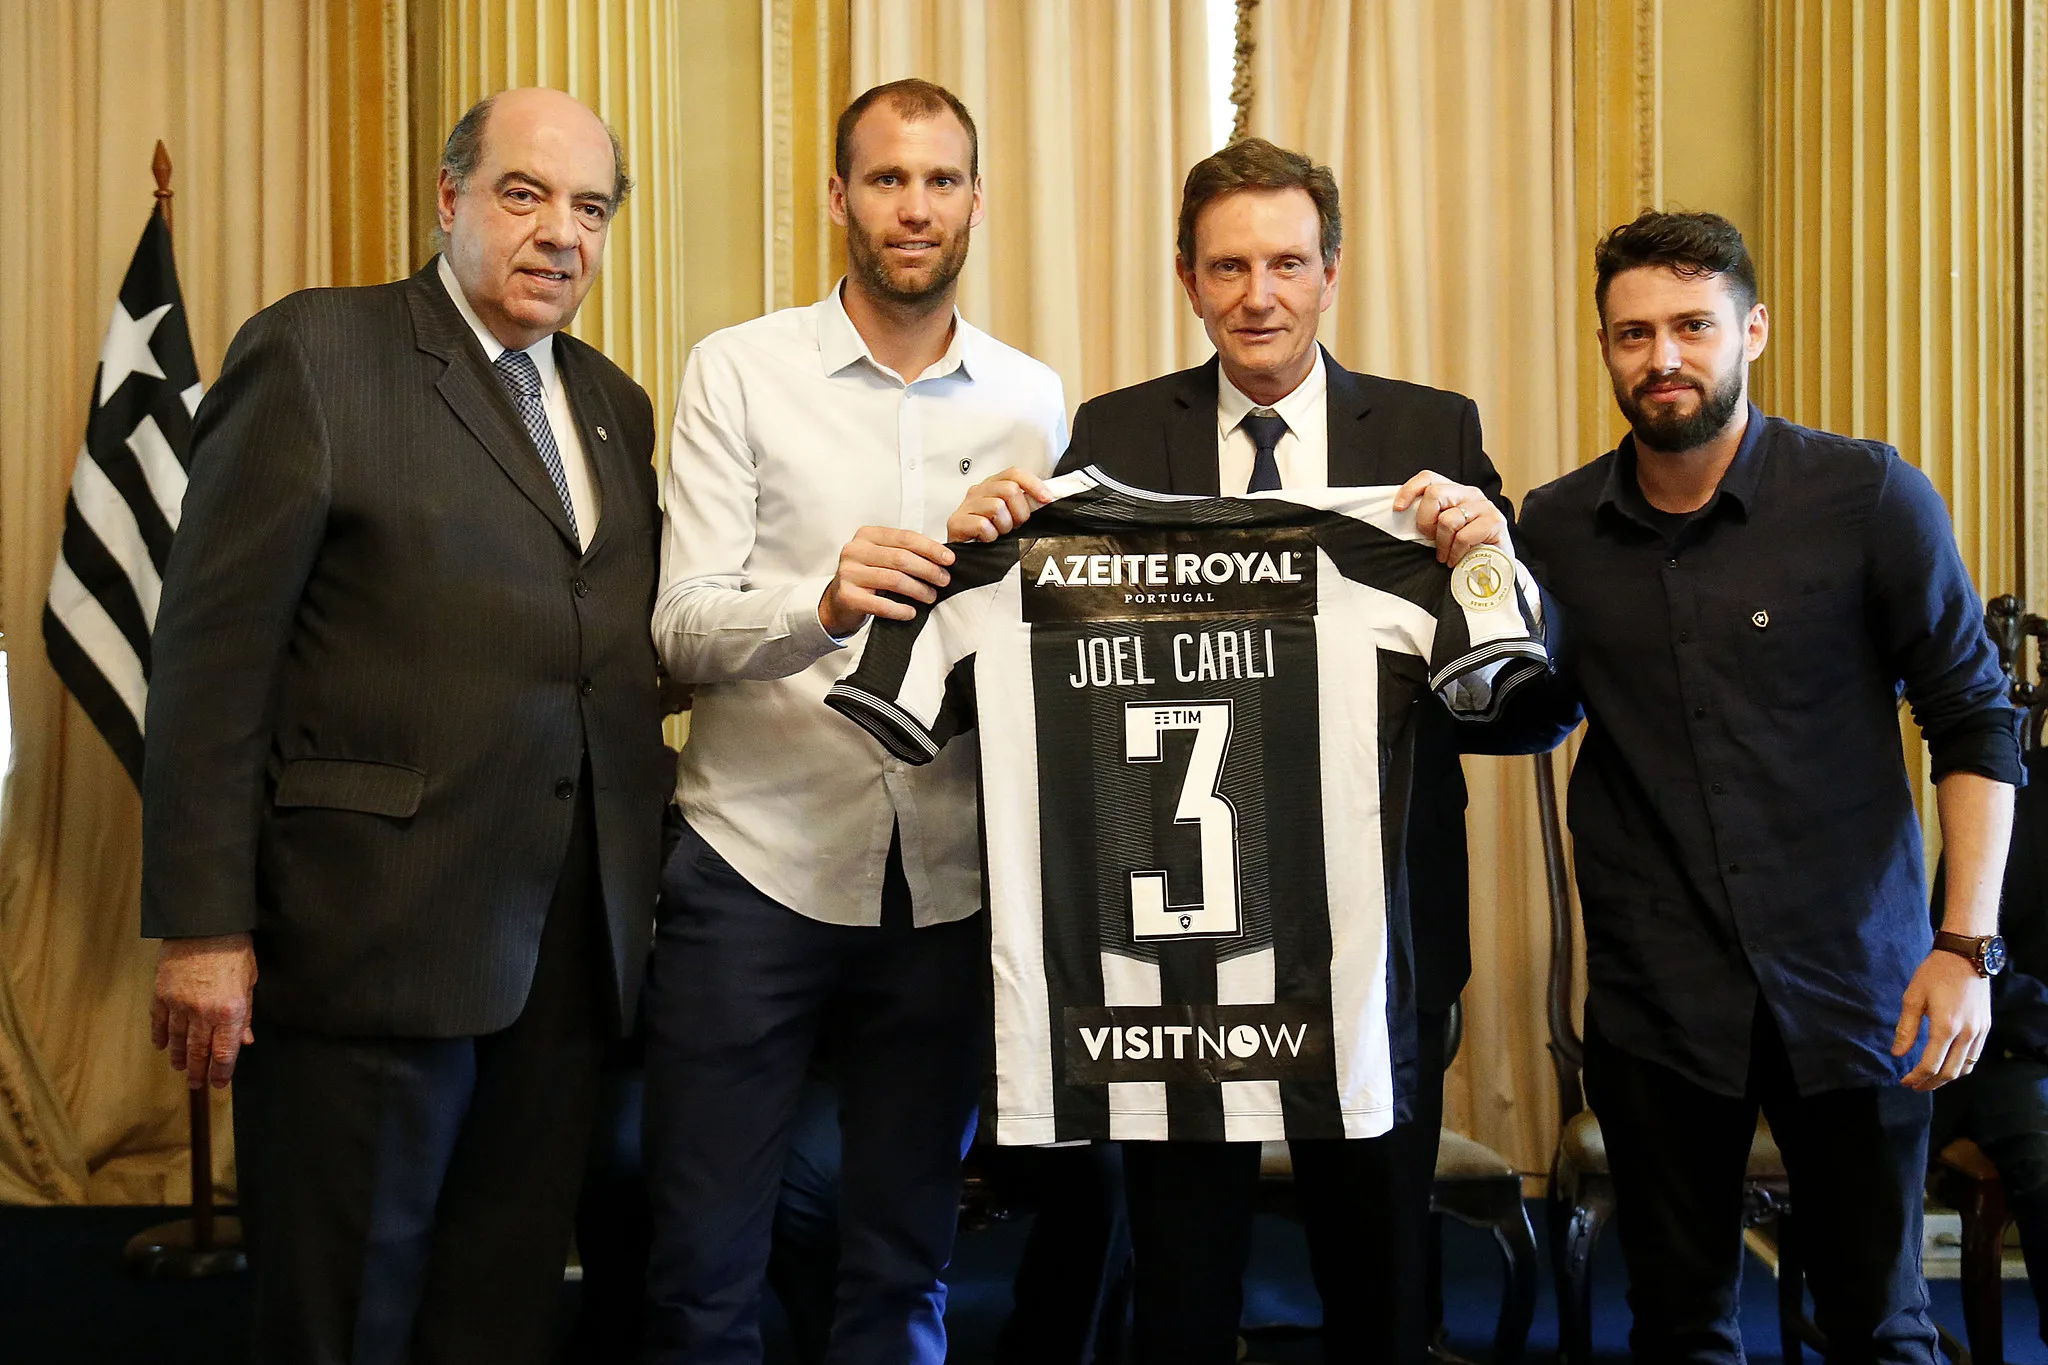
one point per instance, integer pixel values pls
(1304, 450)
(789, 437)
(583, 498)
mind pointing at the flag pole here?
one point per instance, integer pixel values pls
(202, 1245)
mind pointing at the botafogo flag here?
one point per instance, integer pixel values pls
(125, 495)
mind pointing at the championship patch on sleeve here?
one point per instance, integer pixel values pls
(1483, 579)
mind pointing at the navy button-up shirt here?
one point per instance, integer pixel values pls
(1740, 813)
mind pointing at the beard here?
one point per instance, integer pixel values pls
(1669, 430)
(909, 287)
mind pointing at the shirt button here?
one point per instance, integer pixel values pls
(1699, 713)
(1685, 637)
(1671, 563)
(1718, 789)
(579, 587)
(585, 687)
(565, 789)
(1735, 867)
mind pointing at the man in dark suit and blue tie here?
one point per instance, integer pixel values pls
(1259, 248)
(405, 757)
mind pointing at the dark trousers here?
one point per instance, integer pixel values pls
(613, 1228)
(408, 1201)
(1072, 1289)
(1364, 1202)
(2002, 1106)
(803, 1260)
(1857, 1160)
(738, 993)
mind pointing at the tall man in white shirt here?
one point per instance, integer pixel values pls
(822, 887)
(1258, 256)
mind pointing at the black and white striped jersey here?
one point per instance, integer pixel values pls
(1195, 727)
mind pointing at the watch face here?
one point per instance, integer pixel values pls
(1994, 955)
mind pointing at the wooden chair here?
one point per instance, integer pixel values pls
(1581, 1199)
(1962, 1177)
(1483, 1189)
(1475, 1185)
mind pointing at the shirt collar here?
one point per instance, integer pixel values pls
(840, 343)
(542, 352)
(1624, 493)
(1232, 406)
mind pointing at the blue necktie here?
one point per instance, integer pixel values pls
(521, 378)
(1265, 427)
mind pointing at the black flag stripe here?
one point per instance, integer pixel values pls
(97, 622)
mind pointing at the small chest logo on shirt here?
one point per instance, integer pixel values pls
(1760, 619)
(1251, 572)
(1483, 580)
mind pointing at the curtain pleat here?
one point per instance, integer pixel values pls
(237, 91)
(1089, 116)
(1888, 255)
(1444, 120)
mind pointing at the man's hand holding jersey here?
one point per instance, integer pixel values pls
(998, 505)
(1457, 516)
(882, 559)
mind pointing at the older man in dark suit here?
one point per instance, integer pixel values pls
(1258, 254)
(405, 757)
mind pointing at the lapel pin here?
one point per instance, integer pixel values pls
(1760, 619)
(602, 434)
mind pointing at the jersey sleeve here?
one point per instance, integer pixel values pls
(912, 687)
(1489, 636)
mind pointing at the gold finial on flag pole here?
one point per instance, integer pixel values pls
(161, 164)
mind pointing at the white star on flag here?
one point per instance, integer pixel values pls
(126, 349)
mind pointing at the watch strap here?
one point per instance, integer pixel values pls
(1970, 946)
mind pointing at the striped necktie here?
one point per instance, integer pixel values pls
(521, 378)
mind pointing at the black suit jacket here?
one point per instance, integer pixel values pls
(379, 665)
(1161, 435)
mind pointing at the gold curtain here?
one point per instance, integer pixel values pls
(1618, 171)
(807, 77)
(2032, 239)
(1089, 117)
(625, 59)
(240, 91)
(237, 91)
(1449, 126)
(1889, 252)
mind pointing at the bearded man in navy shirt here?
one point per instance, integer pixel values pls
(1744, 602)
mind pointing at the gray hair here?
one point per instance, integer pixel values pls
(465, 148)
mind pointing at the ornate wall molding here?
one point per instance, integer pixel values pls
(1243, 82)
(1617, 164)
(2031, 474)
(778, 169)
(1648, 73)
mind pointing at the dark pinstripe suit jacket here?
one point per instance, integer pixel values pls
(1162, 435)
(380, 656)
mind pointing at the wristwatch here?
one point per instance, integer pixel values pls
(1986, 953)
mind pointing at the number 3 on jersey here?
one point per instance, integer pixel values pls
(1154, 911)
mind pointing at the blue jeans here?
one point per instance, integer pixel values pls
(2002, 1106)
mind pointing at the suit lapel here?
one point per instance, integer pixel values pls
(1191, 445)
(477, 398)
(604, 443)
(1355, 459)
